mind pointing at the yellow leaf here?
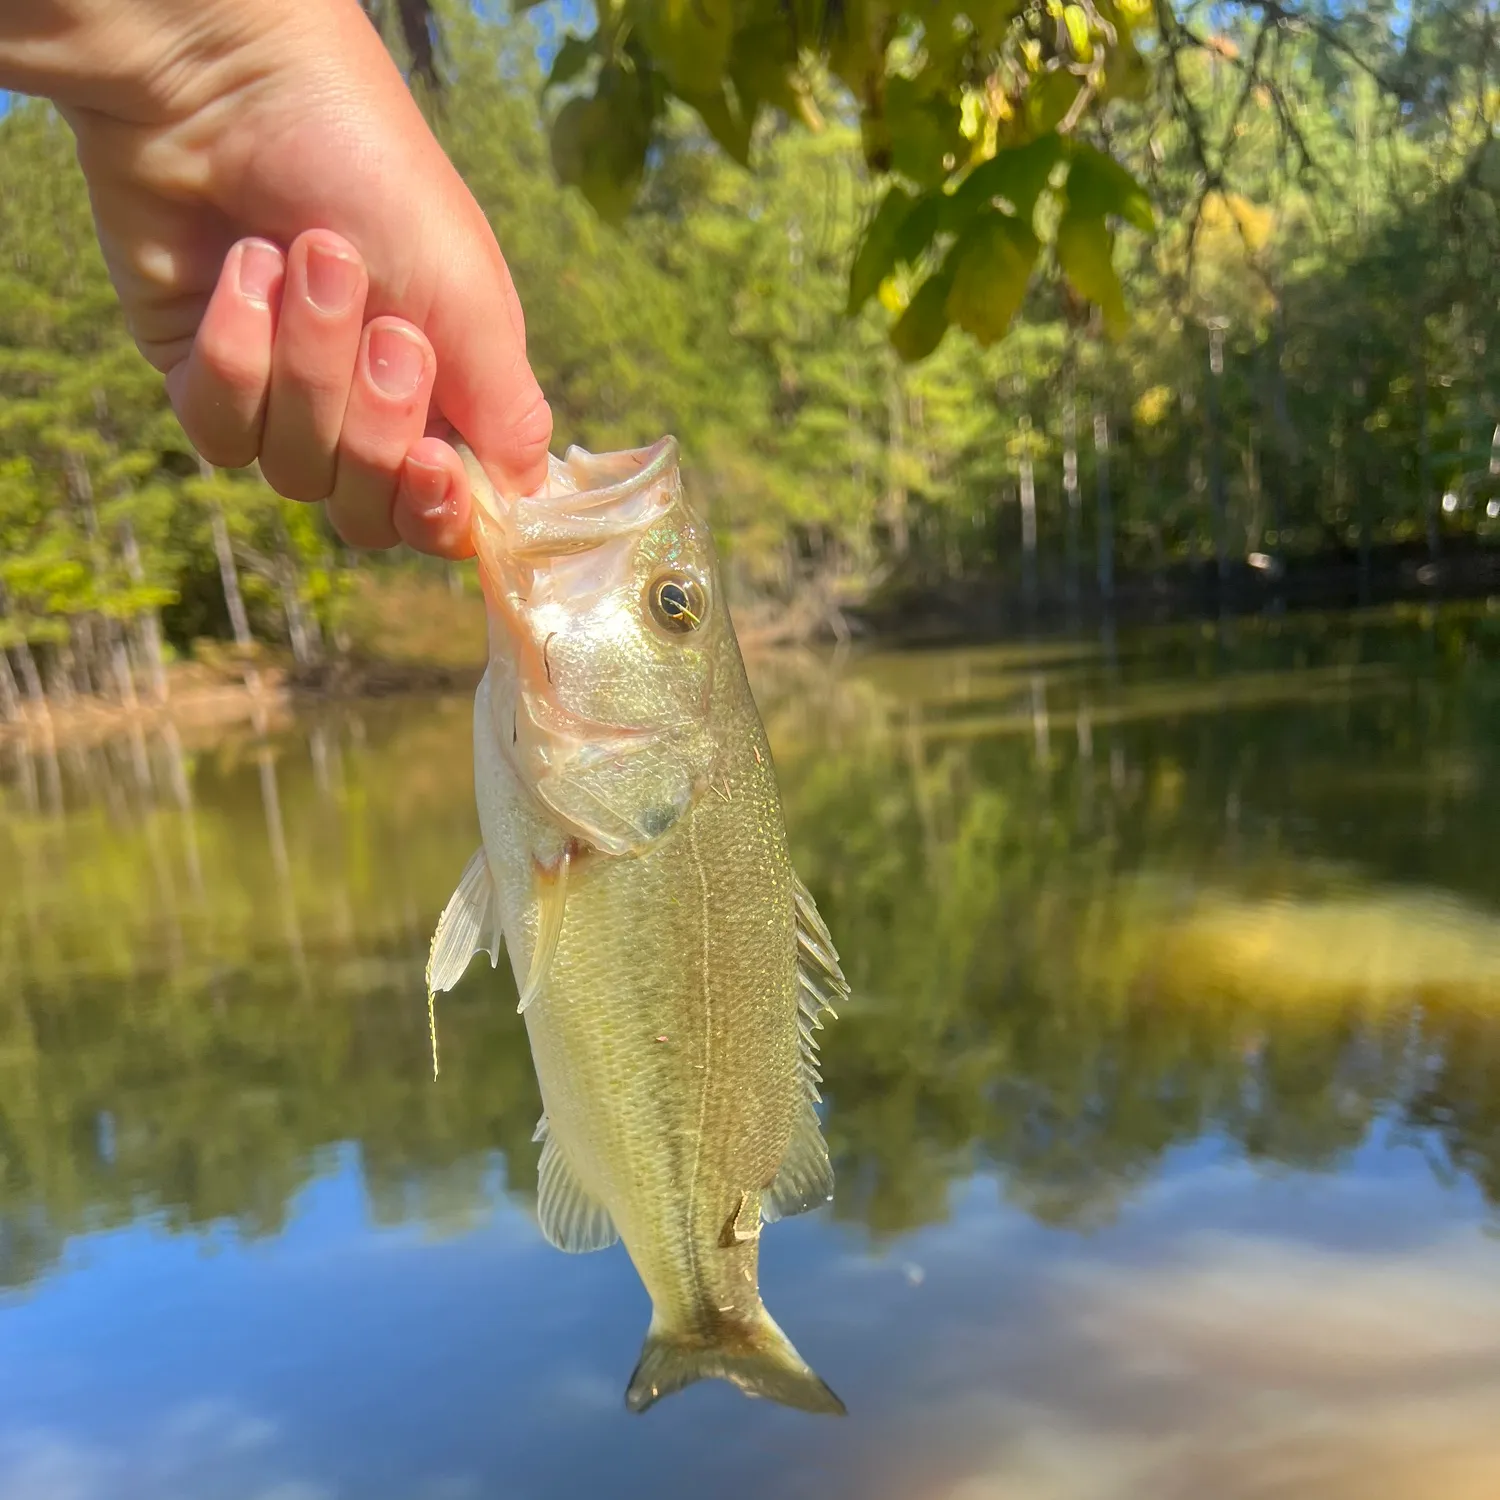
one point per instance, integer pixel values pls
(1075, 18)
(992, 263)
(1084, 251)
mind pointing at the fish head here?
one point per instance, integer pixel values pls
(602, 589)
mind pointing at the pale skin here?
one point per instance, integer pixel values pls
(294, 252)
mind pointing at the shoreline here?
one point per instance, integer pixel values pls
(202, 698)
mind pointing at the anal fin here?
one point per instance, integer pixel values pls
(572, 1219)
(805, 1178)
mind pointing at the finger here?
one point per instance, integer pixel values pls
(312, 364)
(485, 385)
(433, 504)
(219, 390)
(386, 414)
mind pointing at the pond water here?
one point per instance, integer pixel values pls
(1165, 1113)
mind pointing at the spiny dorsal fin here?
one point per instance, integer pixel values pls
(571, 1218)
(820, 982)
(806, 1177)
(470, 924)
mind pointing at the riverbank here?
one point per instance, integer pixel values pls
(413, 635)
(408, 635)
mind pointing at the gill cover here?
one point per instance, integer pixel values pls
(603, 594)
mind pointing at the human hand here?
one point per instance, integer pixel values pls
(294, 251)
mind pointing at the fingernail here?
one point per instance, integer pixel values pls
(260, 267)
(332, 279)
(395, 360)
(429, 488)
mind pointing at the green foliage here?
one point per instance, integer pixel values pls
(792, 324)
(949, 101)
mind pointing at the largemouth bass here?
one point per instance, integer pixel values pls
(672, 968)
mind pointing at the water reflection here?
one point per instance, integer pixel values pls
(1099, 909)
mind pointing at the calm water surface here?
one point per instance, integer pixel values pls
(1166, 1113)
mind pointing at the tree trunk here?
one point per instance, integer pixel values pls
(10, 696)
(31, 677)
(1216, 482)
(1424, 452)
(1028, 532)
(1284, 481)
(299, 628)
(895, 495)
(229, 577)
(62, 673)
(1072, 495)
(1106, 519)
(149, 623)
(120, 663)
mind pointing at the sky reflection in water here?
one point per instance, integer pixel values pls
(1116, 1216)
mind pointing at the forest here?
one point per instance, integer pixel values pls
(1257, 327)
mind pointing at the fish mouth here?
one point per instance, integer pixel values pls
(587, 499)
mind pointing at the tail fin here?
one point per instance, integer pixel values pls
(757, 1357)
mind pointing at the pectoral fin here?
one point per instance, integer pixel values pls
(470, 924)
(549, 889)
(571, 1217)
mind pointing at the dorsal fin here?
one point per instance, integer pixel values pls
(820, 982)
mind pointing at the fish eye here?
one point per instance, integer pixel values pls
(678, 602)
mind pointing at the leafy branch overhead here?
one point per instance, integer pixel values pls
(967, 112)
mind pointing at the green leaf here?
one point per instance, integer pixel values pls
(725, 122)
(762, 67)
(688, 40)
(992, 263)
(925, 128)
(1098, 185)
(1084, 251)
(1016, 174)
(877, 253)
(1049, 100)
(920, 329)
(599, 143)
(572, 58)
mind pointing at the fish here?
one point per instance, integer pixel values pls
(672, 969)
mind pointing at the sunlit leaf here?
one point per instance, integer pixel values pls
(1084, 251)
(1016, 174)
(877, 250)
(1075, 18)
(1099, 186)
(992, 262)
(920, 329)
